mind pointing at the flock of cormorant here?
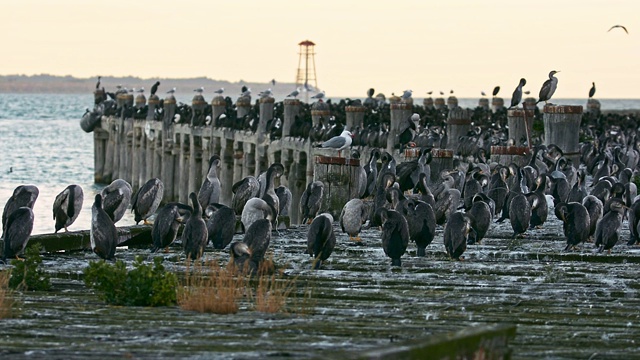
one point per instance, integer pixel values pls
(404, 202)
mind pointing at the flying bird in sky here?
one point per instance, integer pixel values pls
(619, 26)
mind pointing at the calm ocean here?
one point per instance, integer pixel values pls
(42, 144)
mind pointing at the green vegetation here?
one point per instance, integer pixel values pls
(26, 274)
(144, 285)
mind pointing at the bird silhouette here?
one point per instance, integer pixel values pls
(618, 26)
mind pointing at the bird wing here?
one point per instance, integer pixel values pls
(618, 26)
(335, 142)
(60, 199)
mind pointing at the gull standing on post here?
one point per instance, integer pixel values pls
(318, 96)
(219, 91)
(339, 142)
(294, 94)
(548, 88)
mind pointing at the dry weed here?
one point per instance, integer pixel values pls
(6, 298)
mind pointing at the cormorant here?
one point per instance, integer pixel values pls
(576, 222)
(154, 87)
(147, 200)
(17, 232)
(67, 206)
(422, 224)
(210, 190)
(395, 236)
(311, 200)
(592, 91)
(221, 225)
(548, 88)
(519, 214)
(608, 228)
(244, 190)
(167, 223)
(116, 198)
(456, 234)
(103, 233)
(516, 98)
(247, 257)
(352, 217)
(320, 239)
(23, 195)
(195, 236)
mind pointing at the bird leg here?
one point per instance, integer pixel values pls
(21, 259)
(65, 229)
(145, 222)
(166, 250)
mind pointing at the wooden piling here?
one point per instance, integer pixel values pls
(127, 150)
(182, 152)
(153, 103)
(428, 103)
(195, 160)
(530, 103)
(140, 101)
(167, 168)
(483, 103)
(442, 159)
(355, 116)
(339, 176)
(136, 155)
(100, 141)
(458, 124)
(400, 111)
(452, 102)
(517, 126)
(593, 107)
(505, 155)
(198, 105)
(266, 113)
(561, 127)
(169, 107)
(439, 103)
(497, 104)
(291, 110)
(218, 107)
(243, 106)
(226, 171)
(150, 148)
(319, 109)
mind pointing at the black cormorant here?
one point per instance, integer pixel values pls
(67, 206)
(103, 233)
(147, 200)
(320, 239)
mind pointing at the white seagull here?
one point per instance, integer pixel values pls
(294, 93)
(339, 142)
(219, 91)
(199, 90)
(318, 96)
(407, 94)
(173, 90)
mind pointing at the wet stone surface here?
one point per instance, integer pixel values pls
(566, 304)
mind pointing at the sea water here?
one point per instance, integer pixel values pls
(41, 143)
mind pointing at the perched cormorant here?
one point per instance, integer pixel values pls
(244, 190)
(422, 224)
(284, 198)
(538, 202)
(519, 214)
(408, 172)
(496, 90)
(311, 200)
(372, 172)
(595, 208)
(275, 171)
(221, 225)
(247, 257)
(256, 209)
(548, 88)
(98, 83)
(516, 98)
(576, 222)
(352, 217)
(147, 200)
(481, 218)
(210, 190)
(18, 230)
(395, 236)
(154, 87)
(167, 223)
(608, 228)
(194, 236)
(67, 206)
(456, 234)
(320, 239)
(103, 233)
(498, 188)
(116, 198)
(592, 91)
(23, 195)
(447, 200)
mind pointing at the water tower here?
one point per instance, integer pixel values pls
(306, 77)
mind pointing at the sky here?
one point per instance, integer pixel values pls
(467, 46)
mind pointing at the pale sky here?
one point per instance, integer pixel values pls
(468, 46)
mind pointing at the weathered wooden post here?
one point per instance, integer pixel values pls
(593, 107)
(140, 101)
(458, 124)
(195, 159)
(226, 171)
(158, 153)
(243, 106)
(182, 151)
(355, 116)
(249, 160)
(218, 107)
(100, 141)
(497, 104)
(109, 126)
(198, 104)
(167, 168)
(439, 103)
(150, 148)
(562, 128)
(442, 159)
(319, 109)
(518, 129)
(400, 111)
(340, 178)
(127, 151)
(238, 160)
(452, 102)
(121, 101)
(136, 155)
(530, 103)
(266, 113)
(483, 103)
(291, 109)
(154, 101)
(169, 107)
(428, 103)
